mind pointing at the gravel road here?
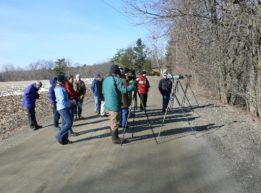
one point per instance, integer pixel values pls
(213, 148)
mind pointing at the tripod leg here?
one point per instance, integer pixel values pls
(148, 120)
(194, 95)
(171, 103)
(185, 95)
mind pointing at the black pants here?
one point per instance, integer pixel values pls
(143, 99)
(31, 117)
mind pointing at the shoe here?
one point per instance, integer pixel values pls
(74, 134)
(81, 117)
(105, 115)
(36, 127)
(56, 128)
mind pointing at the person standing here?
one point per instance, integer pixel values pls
(81, 90)
(143, 85)
(101, 98)
(52, 98)
(95, 92)
(165, 87)
(112, 88)
(125, 98)
(30, 96)
(64, 108)
(72, 94)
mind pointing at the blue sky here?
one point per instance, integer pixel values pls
(84, 31)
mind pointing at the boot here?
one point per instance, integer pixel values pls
(116, 139)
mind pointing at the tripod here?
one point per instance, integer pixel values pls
(188, 87)
(174, 97)
(134, 107)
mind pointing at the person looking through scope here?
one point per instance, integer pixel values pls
(165, 86)
(143, 85)
(125, 97)
(112, 88)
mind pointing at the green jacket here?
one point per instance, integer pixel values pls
(112, 88)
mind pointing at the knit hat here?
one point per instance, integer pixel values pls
(115, 69)
(60, 78)
(98, 76)
(143, 72)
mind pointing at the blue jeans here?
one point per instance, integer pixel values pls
(124, 117)
(165, 102)
(62, 135)
(97, 106)
(56, 116)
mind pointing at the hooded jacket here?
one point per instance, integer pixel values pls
(62, 100)
(30, 96)
(51, 92)
(112, 88)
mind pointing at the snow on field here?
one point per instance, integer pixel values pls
(18, 87)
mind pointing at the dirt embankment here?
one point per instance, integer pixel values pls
(13, 115)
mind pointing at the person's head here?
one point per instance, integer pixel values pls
(53, 81)
(98, 77)
(70, 79)
(77, 77)
(126, 72)
(165, 75)
(61, 79)
(143, 73)
(38, 85)
(115, 70)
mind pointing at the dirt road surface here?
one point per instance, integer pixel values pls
(181, 162)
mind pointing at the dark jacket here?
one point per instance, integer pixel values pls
(125, 97)
(80, 88)
(30, 96)
(165, 86)
(51, 93)
(99, 88)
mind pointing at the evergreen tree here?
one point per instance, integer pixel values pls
(60, 66)
(140, 54)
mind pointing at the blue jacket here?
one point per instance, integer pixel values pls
(30, 96)
(62, 100)
(112, 88)
(94, 87)
(51, 93)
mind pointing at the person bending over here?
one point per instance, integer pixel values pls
(30, 96)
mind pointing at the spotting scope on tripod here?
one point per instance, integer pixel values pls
(177, 87)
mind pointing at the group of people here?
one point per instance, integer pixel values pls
(113, 93)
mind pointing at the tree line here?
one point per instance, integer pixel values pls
(43, 69)
(138, 57)
(218, 41)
